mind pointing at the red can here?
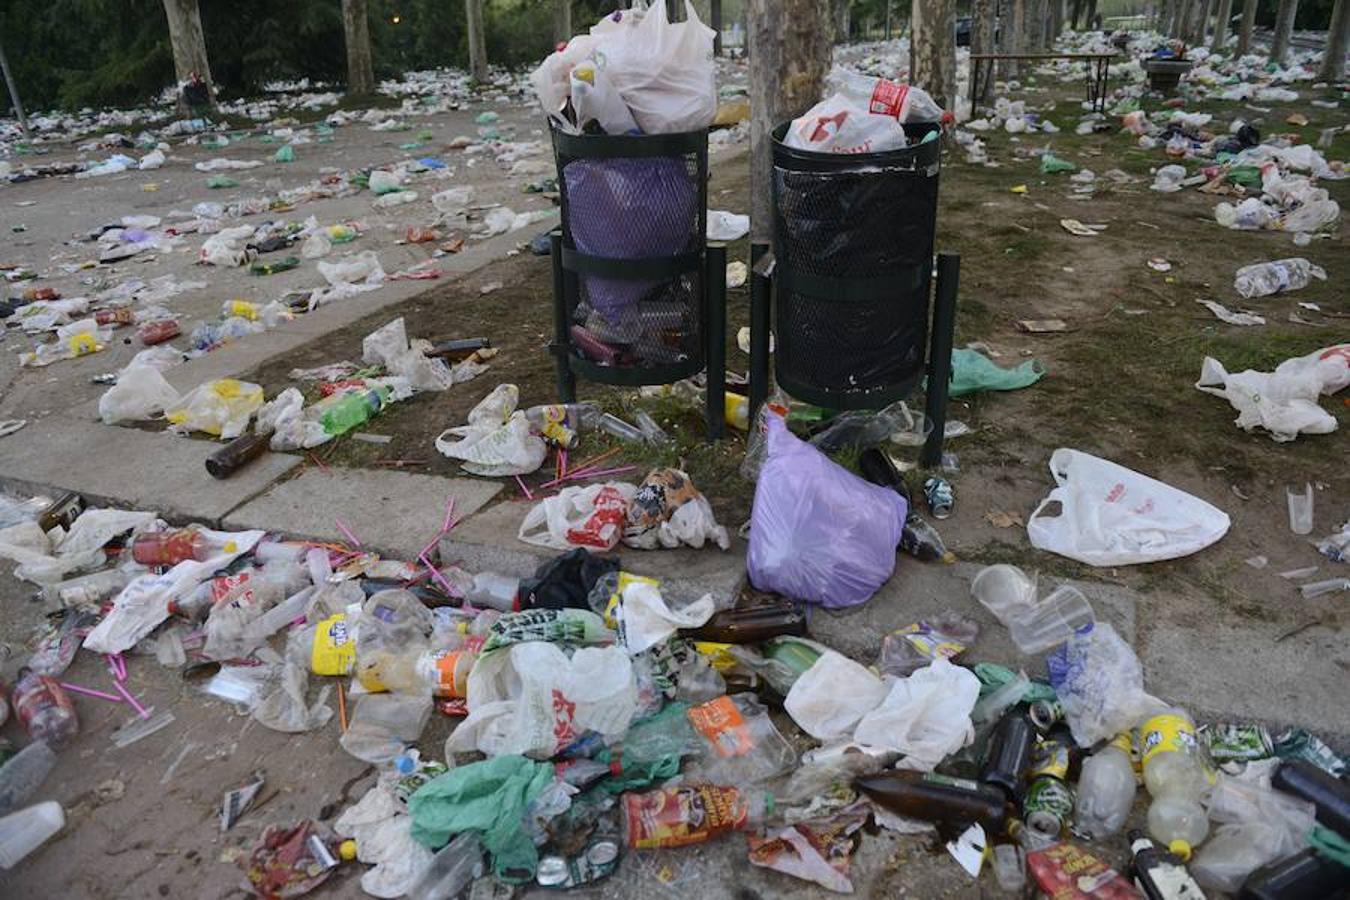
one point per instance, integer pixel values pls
(158, 332)
(122, 315)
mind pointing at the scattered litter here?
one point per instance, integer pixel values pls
(1232, 318)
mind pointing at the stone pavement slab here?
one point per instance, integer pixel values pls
(391, 512)
(488, 542)
(127, 467)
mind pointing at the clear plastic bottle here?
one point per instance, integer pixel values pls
(23, 774)
(452, 869)
(1264, 279)
(86, 590)
(907, 103)
(494, 591)
(1176, 779)
(1106, 790)
(24, 831)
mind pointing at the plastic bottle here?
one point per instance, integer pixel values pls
(24, 831)
(86, 590)
(938, 798)
(619, 428)
(690, 814)
(451, 870)
(343, 412)
(1106, 790)
(879, 96)
(494, 591)
(1159, 874)
(559, 423)
(1175, 778)
(272, 268)
(152, 333)
(1264, 279)
(1329, 794)
(1303, 876)
(922, 541)
(23, 774)
(44, 709)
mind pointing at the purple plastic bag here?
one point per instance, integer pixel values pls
(818, 532)
(629, 208)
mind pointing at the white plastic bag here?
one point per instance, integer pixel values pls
(925, 716)
(663, 70)
(727, 226)
(547, 524)
(140, 393)
(835, 125)
(831, 697)
(1283, 402)
(497, 440)
(388, 346)
(1100, 683)
(360, 268)
(284, 708)
(1114, 516)
(595, 98)
(648, 620)
(222, 407)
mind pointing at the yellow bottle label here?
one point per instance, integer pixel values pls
(243, 309)
(334, 651)
(1167, 733)
(83, 343)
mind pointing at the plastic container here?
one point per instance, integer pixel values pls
(1176, 779)
(494, 591)
(23, 774)
(451, 870)
(1010, 867)
(44, 709)
(1105, 790)
(169, 548)
(742, 745)
(87, 590)
(1052, 621)
(382, 725)
(24, 831)
(1300, 510)
(1004, 590)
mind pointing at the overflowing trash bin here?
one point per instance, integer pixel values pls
(639, 295)
(851, 276)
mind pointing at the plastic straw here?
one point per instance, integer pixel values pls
(523, 489)
(126, 695)
(347, 532)
(90, 692)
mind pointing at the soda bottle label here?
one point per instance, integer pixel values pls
(723, 726)
(678, 816)
(1166, 734)
(887, 98)
(446, 665)
(334, 651)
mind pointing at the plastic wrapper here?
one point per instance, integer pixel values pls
(915, 646)
(925, 716)
(817, 850)
(819, 533)
(741, 744)
(1100, 683)
(1283, 402)
(222, 407)
(591, 516)
(497, 439)
(285, 708)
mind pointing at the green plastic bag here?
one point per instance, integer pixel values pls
(488, 798)
(973, 371)
(284, 155)
(993, 676)
(221, 181)
(1050, 164)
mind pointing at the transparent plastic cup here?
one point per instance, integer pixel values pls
(1004, 590)
(1052, 621)
(1300, 510)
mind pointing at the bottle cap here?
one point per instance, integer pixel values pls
(1180, 848)
(347, 850)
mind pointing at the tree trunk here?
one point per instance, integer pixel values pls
(982, 39)
(478, 65)
(1284, 30)
(841, 21)
(1183, 15)
(1338, 44)
(1244, 44)
(932, 49)
(1056, 20)
(1221, 26)
(789, 46)
(1202, 26)
(715, 22)
(189, 46)
(1014, 29)
(562, 21)
(888, 20)
(356, 30)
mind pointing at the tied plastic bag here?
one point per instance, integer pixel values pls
(663, 70)
(1114, 516)
(835, 125)
(497, 440)
(830, 698)
(925, 716)
(973, 371)
(1100, 683)
(668, 511)
(1283, 402)
(590, 516)
(818, 532)
(140, 393)
(222, 407)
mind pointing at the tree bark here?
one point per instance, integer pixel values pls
(1183, 15)
(478, 65)
(1056, 20)
(1092, 15)
(189, 46)
(562, 21)
(982, 38)
(932, 49)
(1202, 26)
(1244, 44)
(1338, 44)
(356, 30)
(1221, 26)
(715, 22)
(1014, 34)
(1284, 30)
(789, 47)
(840, 13)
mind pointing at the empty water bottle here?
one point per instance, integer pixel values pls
(1106, 790)
(24, 831)
(1264, 279)
(23, 774)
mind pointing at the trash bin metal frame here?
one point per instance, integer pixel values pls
(706, 260)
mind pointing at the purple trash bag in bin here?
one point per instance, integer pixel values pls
(629, 208)
(818, 532)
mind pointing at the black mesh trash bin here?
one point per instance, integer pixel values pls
(851, 278)
(638, 293)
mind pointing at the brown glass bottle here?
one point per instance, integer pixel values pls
(236, 454)
(1329, 794)
(752, 624)
(459, 348)
(940, 799)
(1303, 876)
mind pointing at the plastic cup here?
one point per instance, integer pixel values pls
(1052, 621)
(1300, 510)
(1004, 590)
